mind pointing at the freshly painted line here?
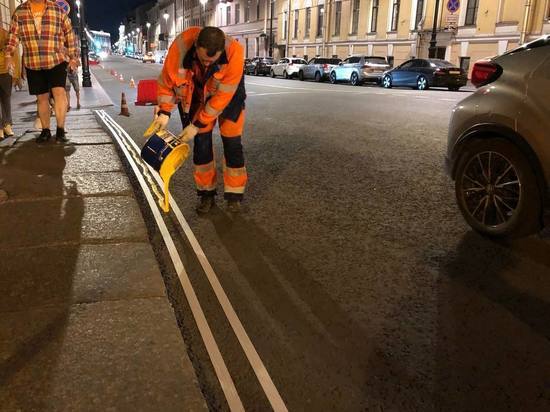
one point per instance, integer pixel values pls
(218, 363)
(250, 351)
(309, 89)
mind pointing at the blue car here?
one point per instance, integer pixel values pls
(422, 74)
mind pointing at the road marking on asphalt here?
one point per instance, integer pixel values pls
(309, 89)
(449, 100)
(273, 93)
(250, 351)
(226, 382)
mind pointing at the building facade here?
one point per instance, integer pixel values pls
(401, 29)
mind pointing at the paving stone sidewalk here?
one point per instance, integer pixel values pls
(85, 323)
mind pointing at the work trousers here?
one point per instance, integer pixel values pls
(234, 170)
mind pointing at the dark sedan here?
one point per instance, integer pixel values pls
(422, 74)
(259, 65)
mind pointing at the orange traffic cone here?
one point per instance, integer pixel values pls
(124, 106)
(121, 78)
(132, 83)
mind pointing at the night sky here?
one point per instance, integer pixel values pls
(107, 15)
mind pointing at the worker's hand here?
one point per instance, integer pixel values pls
(9, 65)
(189, 133)
(159, 123)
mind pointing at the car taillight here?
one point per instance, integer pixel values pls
(439, 72)
(485, 72)
(325, 66)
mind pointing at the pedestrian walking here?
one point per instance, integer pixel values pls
(203, 73)
(72, 79)
(8, 76)
(44, 60)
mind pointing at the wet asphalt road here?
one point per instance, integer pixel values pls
(351, 269)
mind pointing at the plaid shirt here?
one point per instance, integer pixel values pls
(49, 48)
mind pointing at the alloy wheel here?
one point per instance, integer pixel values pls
(332, 77)
(386, 82)
(354, 79)
(491, 189)
(422, 83)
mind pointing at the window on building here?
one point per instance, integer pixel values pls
(355, 16)
(284, 25)
(419, 13)
(395, 14)
(471, 12)
(320, 16)
(228, 15)
(337, 17)
(296, 20)
(247, 11)
(237, 13)
(308, 21)
(258, 10)
(374, 15)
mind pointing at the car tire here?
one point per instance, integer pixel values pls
(318, 77)
(285, 75)
(422, 83)
(332, 78)
(301, 75)
(514, 205)
(387, 82)
(354, 79)
(272, 73)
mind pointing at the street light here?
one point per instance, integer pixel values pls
(148, 25)
(432, 51)
(201, 17)
(86, 77)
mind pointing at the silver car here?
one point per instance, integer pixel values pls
(287, 67)
(318, 68)
(499, 143)
(359, 69)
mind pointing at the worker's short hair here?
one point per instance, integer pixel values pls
(212, 39)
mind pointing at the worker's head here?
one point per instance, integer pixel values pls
(210, 45)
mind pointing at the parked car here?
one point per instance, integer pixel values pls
(318, 68)
(148, 58)
(499, 143)
(359, 69)
(259, 65)
(422, 74)
(287, 67)
(93, 58)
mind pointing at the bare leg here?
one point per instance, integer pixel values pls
(60, 98)
(44, 109)
(78, 99)
(69, 99)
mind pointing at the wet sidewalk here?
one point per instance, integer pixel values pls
(85, 323)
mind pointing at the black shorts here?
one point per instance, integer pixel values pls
(41, 81)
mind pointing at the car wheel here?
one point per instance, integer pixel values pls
(422, 83)
(285, 75)
(332, 77)
(301, 75)
(272, 73)
(386, 82)
(318, 77)
(354, 79)
(496, 189)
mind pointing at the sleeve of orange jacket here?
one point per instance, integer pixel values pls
(165, 83)
(227, 88)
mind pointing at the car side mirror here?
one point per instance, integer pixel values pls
(341, 64)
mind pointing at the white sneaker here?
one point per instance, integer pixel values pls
(8, 131)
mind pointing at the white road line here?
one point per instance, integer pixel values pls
(250, 351)
(449, 100)
(271, 94)
(226, 382)
(309, 89)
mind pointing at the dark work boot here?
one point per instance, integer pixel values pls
(205, 204)
(234, 206)
(60, 135)
(45, 134)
